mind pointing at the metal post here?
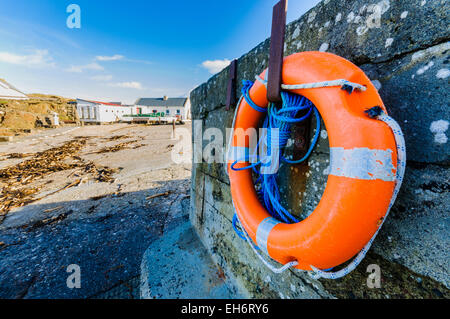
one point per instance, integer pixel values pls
(231, 88)
(173, 129)
(276, 51)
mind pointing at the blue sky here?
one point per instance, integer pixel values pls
(128, 49)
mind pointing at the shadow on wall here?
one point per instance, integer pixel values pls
(105, 236)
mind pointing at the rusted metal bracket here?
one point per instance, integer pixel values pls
(276, 51)
(301, 131)
(231, 88)
(302, 135)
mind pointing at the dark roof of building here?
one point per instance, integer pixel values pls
(161, 102)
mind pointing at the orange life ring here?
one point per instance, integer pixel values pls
(362, 168)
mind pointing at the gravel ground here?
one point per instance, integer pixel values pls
(103, 227)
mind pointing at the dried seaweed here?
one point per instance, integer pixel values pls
(101, 173)
(19, 155)
(48, 161)
(158, 195)
(116, 137)
(115, 148)
(15, 188)
(48, 221)
(138, 146)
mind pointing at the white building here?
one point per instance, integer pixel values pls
(174, 107)
(9, 92)
(101, 112)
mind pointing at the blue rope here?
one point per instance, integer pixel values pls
(314, 142)
(247, 85)
(246, 159)
(238, 232)
(282, 119)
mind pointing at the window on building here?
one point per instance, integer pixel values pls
(167, 112)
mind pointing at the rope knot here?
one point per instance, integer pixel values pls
(246, 86)
(347, 87)
(374, 112)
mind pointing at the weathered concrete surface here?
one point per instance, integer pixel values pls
(403, 47)
(107, 241)
(178, 266)
(104, 228)
(213, 222)
(415, 92)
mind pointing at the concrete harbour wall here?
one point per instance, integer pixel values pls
(403, 46)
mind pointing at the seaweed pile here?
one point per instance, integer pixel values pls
(120, 146)
(115, 148)
(20, 183)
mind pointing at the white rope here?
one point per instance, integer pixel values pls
(401, 165)
(340, 82)
(265, 262)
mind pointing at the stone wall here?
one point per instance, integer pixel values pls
(403, 47)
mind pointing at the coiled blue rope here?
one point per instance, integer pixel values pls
(247, 85)
(282, 119)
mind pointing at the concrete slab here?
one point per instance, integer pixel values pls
(103, 227)
(178, 266)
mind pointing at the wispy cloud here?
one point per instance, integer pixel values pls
(215, 66)
(39, 58)
(80, 68)
(128, 85)
(138, 61)
(117, 57)
(114, 57)
(102, 78)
